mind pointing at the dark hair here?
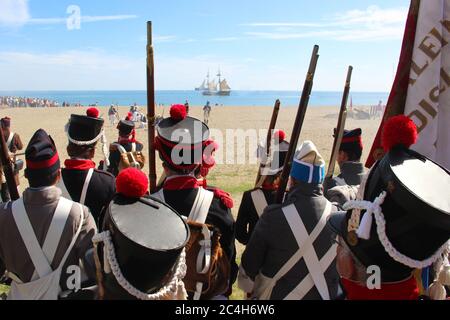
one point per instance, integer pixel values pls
(76, 151)
(353, 154)
(42, 180)
(180, 171)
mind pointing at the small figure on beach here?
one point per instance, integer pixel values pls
(14, 144)
(186, 105)
(206, 112)
(113, 115)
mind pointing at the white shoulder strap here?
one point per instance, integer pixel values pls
(10, 138)
(86, 186)
(304, 242)
(201, 205)
(120, 148)
(56, 228)
(259, 201)
(26, 231)
(133, 147)
(75, 237)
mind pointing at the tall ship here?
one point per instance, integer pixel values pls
(214, 87)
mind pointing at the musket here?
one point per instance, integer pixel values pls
(299, 119)
(151, 108)
(339, 130)
(273, 122)
(7, 167)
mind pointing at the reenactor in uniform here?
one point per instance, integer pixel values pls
(290, 255)
(181, 188)
(81, 181)
(256, 200)
(399, 223)
(349, 160)
(14, 144)
(43, 236)
(140, 253)
(343, 187)
(126, 143)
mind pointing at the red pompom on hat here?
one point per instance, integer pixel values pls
(279, 135)
(399, 130)
(132, 183)
(93, 112)
(178, 112)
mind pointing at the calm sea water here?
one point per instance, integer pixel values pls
(237, 98)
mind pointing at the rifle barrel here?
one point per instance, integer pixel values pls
(273, 122)
(303, 105)
(151, 108)
(340, 126)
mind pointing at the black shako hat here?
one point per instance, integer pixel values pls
(352, 141)
(85, 128)
(126, 127)
(274, 164)
(41, 156)
(181, 140)
(403, 220)
(146, 242)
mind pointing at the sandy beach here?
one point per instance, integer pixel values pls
(234, 178)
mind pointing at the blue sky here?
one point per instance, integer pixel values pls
(259, 45)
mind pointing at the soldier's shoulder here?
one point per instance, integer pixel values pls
(113, 147)
(105, 175)
(223, 197)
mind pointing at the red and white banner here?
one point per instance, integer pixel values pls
(428, 97)
(421, 89)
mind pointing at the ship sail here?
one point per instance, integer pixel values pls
(212, 86)
(224, 85)
(203, 86)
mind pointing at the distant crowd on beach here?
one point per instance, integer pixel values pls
(25, 102)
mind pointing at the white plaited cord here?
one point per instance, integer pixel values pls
(173, 290)
(374, 208)
(101, 136)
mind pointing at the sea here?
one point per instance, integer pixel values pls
(195, 98)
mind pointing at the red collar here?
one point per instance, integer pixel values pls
(269, 186)
(79, 164)
(181, 183)
(405, 290)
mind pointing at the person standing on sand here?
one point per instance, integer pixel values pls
(44, 236)
(206, 112)
(352, 170)
(400, 224)
(152, 263)
(14, 144)
(186, 105)
(255, 201)
(290, 255)
(183, 191)
(113, 115)
(126, 143)
(80, 181)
